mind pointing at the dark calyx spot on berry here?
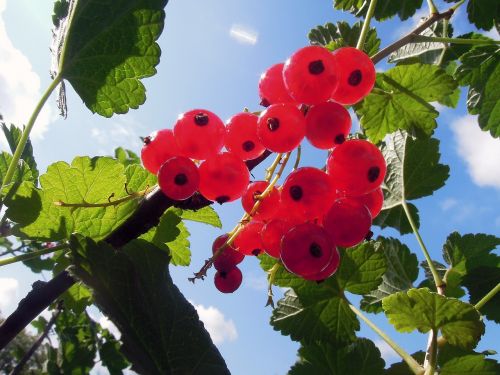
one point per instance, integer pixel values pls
(339, 139)
(273, 124)
(265, 103)
(256, 252)
(369, 235)
(223, 274)
(222, 199)
(315, 250)
(316, 67)
(355, 77)
(201, 119)
(373, 174)
(147, 140)
(180, 179)
(248, 146)
(296, 192)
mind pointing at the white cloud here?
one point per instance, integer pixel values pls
(388, 354)
(19, 86)
(448, 204)
(9, 288)
(243, 34)
(479, 150)
(218, 327)
(108, 324)
(122, 132)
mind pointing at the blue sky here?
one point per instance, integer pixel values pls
(213, 53)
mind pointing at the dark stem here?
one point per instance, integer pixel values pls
(146, 216)
(408, 38)
(36, 344)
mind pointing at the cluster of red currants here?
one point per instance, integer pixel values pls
(304, 220)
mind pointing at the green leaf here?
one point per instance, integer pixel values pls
(413, 171)
(282, 277)
(401, 273)
(383, 10)
(395, 217)
(21, 173)
(479, 282)
(13, 135)
(361, 268)
(424, 310)
(401, 101)
(126, 157)
(480, 70)
(77, 298)
(171, 236)
(107, 49)
(110, 354)
(205, 215)
(95, 181)
(483, 13)
(161, 332)
(342, 35)
(321, 314)
(473, 364)
(401, 368)
(361, 357)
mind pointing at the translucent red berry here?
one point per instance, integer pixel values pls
(272, 88)
(269, 204)
(327, 125)
(308, 191)
(356, 75)
(357, 167)
(223, 177)
(228, 281)
(281, 127)
(310, 75)
(306, 249)
(178, 178)
(229, 257)
(199, 134)
(158, 147)
(248, 240)
(373, 200)
(348, 222)
(329, 270)
(241, 136)
(272, 234)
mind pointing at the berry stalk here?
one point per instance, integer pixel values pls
(366, 25)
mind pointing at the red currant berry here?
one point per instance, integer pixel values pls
(199, 134)
(348, 222)
(158, 147)
(310, 75)
(241, 136)
(309, 191)
(356, 75)
(357, 167)
(281, 127)
(306, 249)
(272, 234)
(327, 125)
(374, 201)
(229, 257)
(329, 270)
(269, 204)
(248, 240)
(227, 281)
(272, 88)
(223, 177)
(178, 178)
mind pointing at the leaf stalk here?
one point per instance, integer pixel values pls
(487, 297)
(366, 25)
(32, 255)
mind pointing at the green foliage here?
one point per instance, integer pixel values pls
(401, 273)
(13, 135)
(483, 13)
(205, 215)
(133, 287)
(107, 48)
(77, 298)
(480, 70)
(126, 157)
(384, 9)
(341, 35)
(423, 310)
(360, 357)
(402, 100)
(22, 173)
(413, 171)
(110, 354)
(86, 181)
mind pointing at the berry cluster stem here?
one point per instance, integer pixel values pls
(366, 25)
(271, 276)
(32, 254)
(26, 132)
(410, 361)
